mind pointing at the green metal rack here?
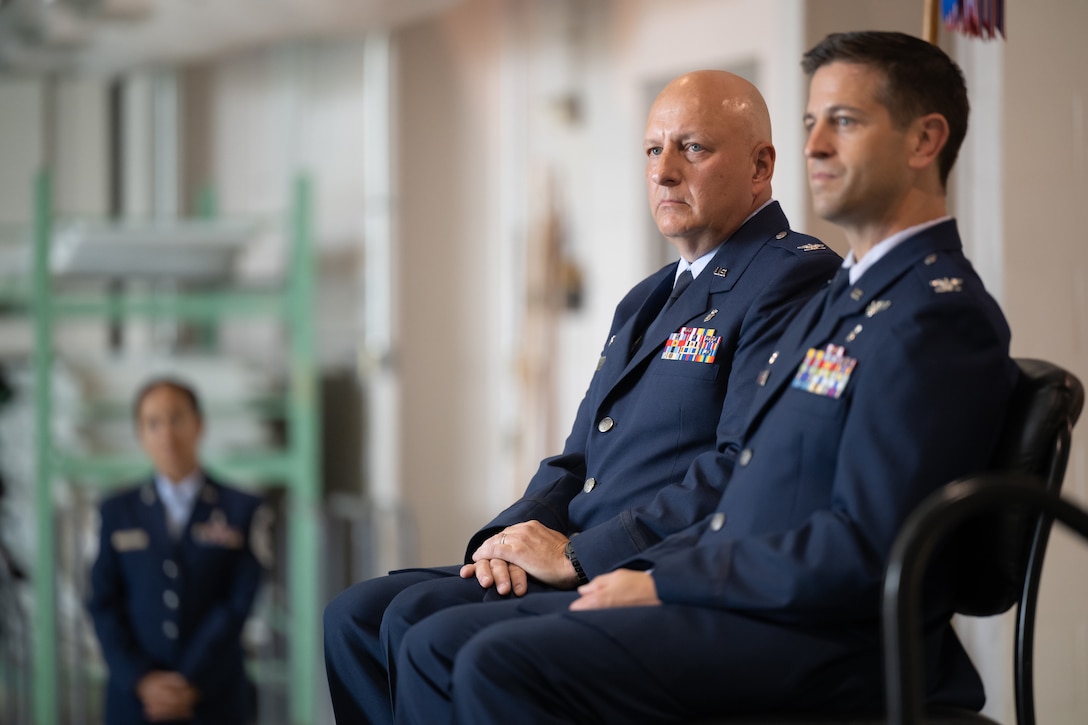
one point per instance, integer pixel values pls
(295, 465)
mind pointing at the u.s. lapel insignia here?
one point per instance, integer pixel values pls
(720, 271)
(811, 247)
(946, 284)
(710, 315)
(610, 341)
(856, 294)
(877, 306)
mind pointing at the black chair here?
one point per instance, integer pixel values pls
(932, 521)
(1000, 522)
(993, 529)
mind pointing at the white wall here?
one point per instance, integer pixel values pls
(1044, 154)
(481, 86)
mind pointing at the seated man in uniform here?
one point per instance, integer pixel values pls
(676, 374)
(175, 577)
(886, 386)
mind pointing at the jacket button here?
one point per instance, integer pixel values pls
(170, 599)
(717, 521)
(606, 424)
(170, 630)
(589, 485)
(745, 457)
(169, 568)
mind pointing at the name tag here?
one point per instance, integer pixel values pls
(129, 540)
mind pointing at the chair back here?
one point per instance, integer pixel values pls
(1000, 521)
(998, 555)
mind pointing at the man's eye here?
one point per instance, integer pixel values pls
(655, 151)
(695, 147)
(844, 121)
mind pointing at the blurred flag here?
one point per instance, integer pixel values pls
(975, 18)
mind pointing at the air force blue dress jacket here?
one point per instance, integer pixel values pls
(618, 486)
(915, 383)
(178, 605)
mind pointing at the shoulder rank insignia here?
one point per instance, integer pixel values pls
(260, 536)
(811, 247)
(946, 284)
(877, 306)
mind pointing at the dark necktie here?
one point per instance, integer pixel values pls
(678, 288)
(838, 286)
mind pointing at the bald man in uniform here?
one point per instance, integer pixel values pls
(677, 372)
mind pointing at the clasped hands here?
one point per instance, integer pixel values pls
(507, 560)
(166, 696)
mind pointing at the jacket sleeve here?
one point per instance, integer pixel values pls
(559, 478)
(927, 410)
(678, 504)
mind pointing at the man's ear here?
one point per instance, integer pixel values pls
(763, 157)
(929, 134)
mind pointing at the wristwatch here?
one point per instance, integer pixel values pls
(569, 551)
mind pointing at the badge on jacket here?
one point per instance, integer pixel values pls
(825, 372)
(217, 532)
(693, 344)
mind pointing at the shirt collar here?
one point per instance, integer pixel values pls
(882, 248)
(700, 264)
(183, 492)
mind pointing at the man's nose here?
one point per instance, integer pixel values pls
(663, 169)
(816, 143)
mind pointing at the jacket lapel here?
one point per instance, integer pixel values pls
(153, 517)
(814, 326)
(719, 276)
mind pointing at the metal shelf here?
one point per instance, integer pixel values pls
(100, 251)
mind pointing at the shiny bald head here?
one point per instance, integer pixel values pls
(709, 158)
